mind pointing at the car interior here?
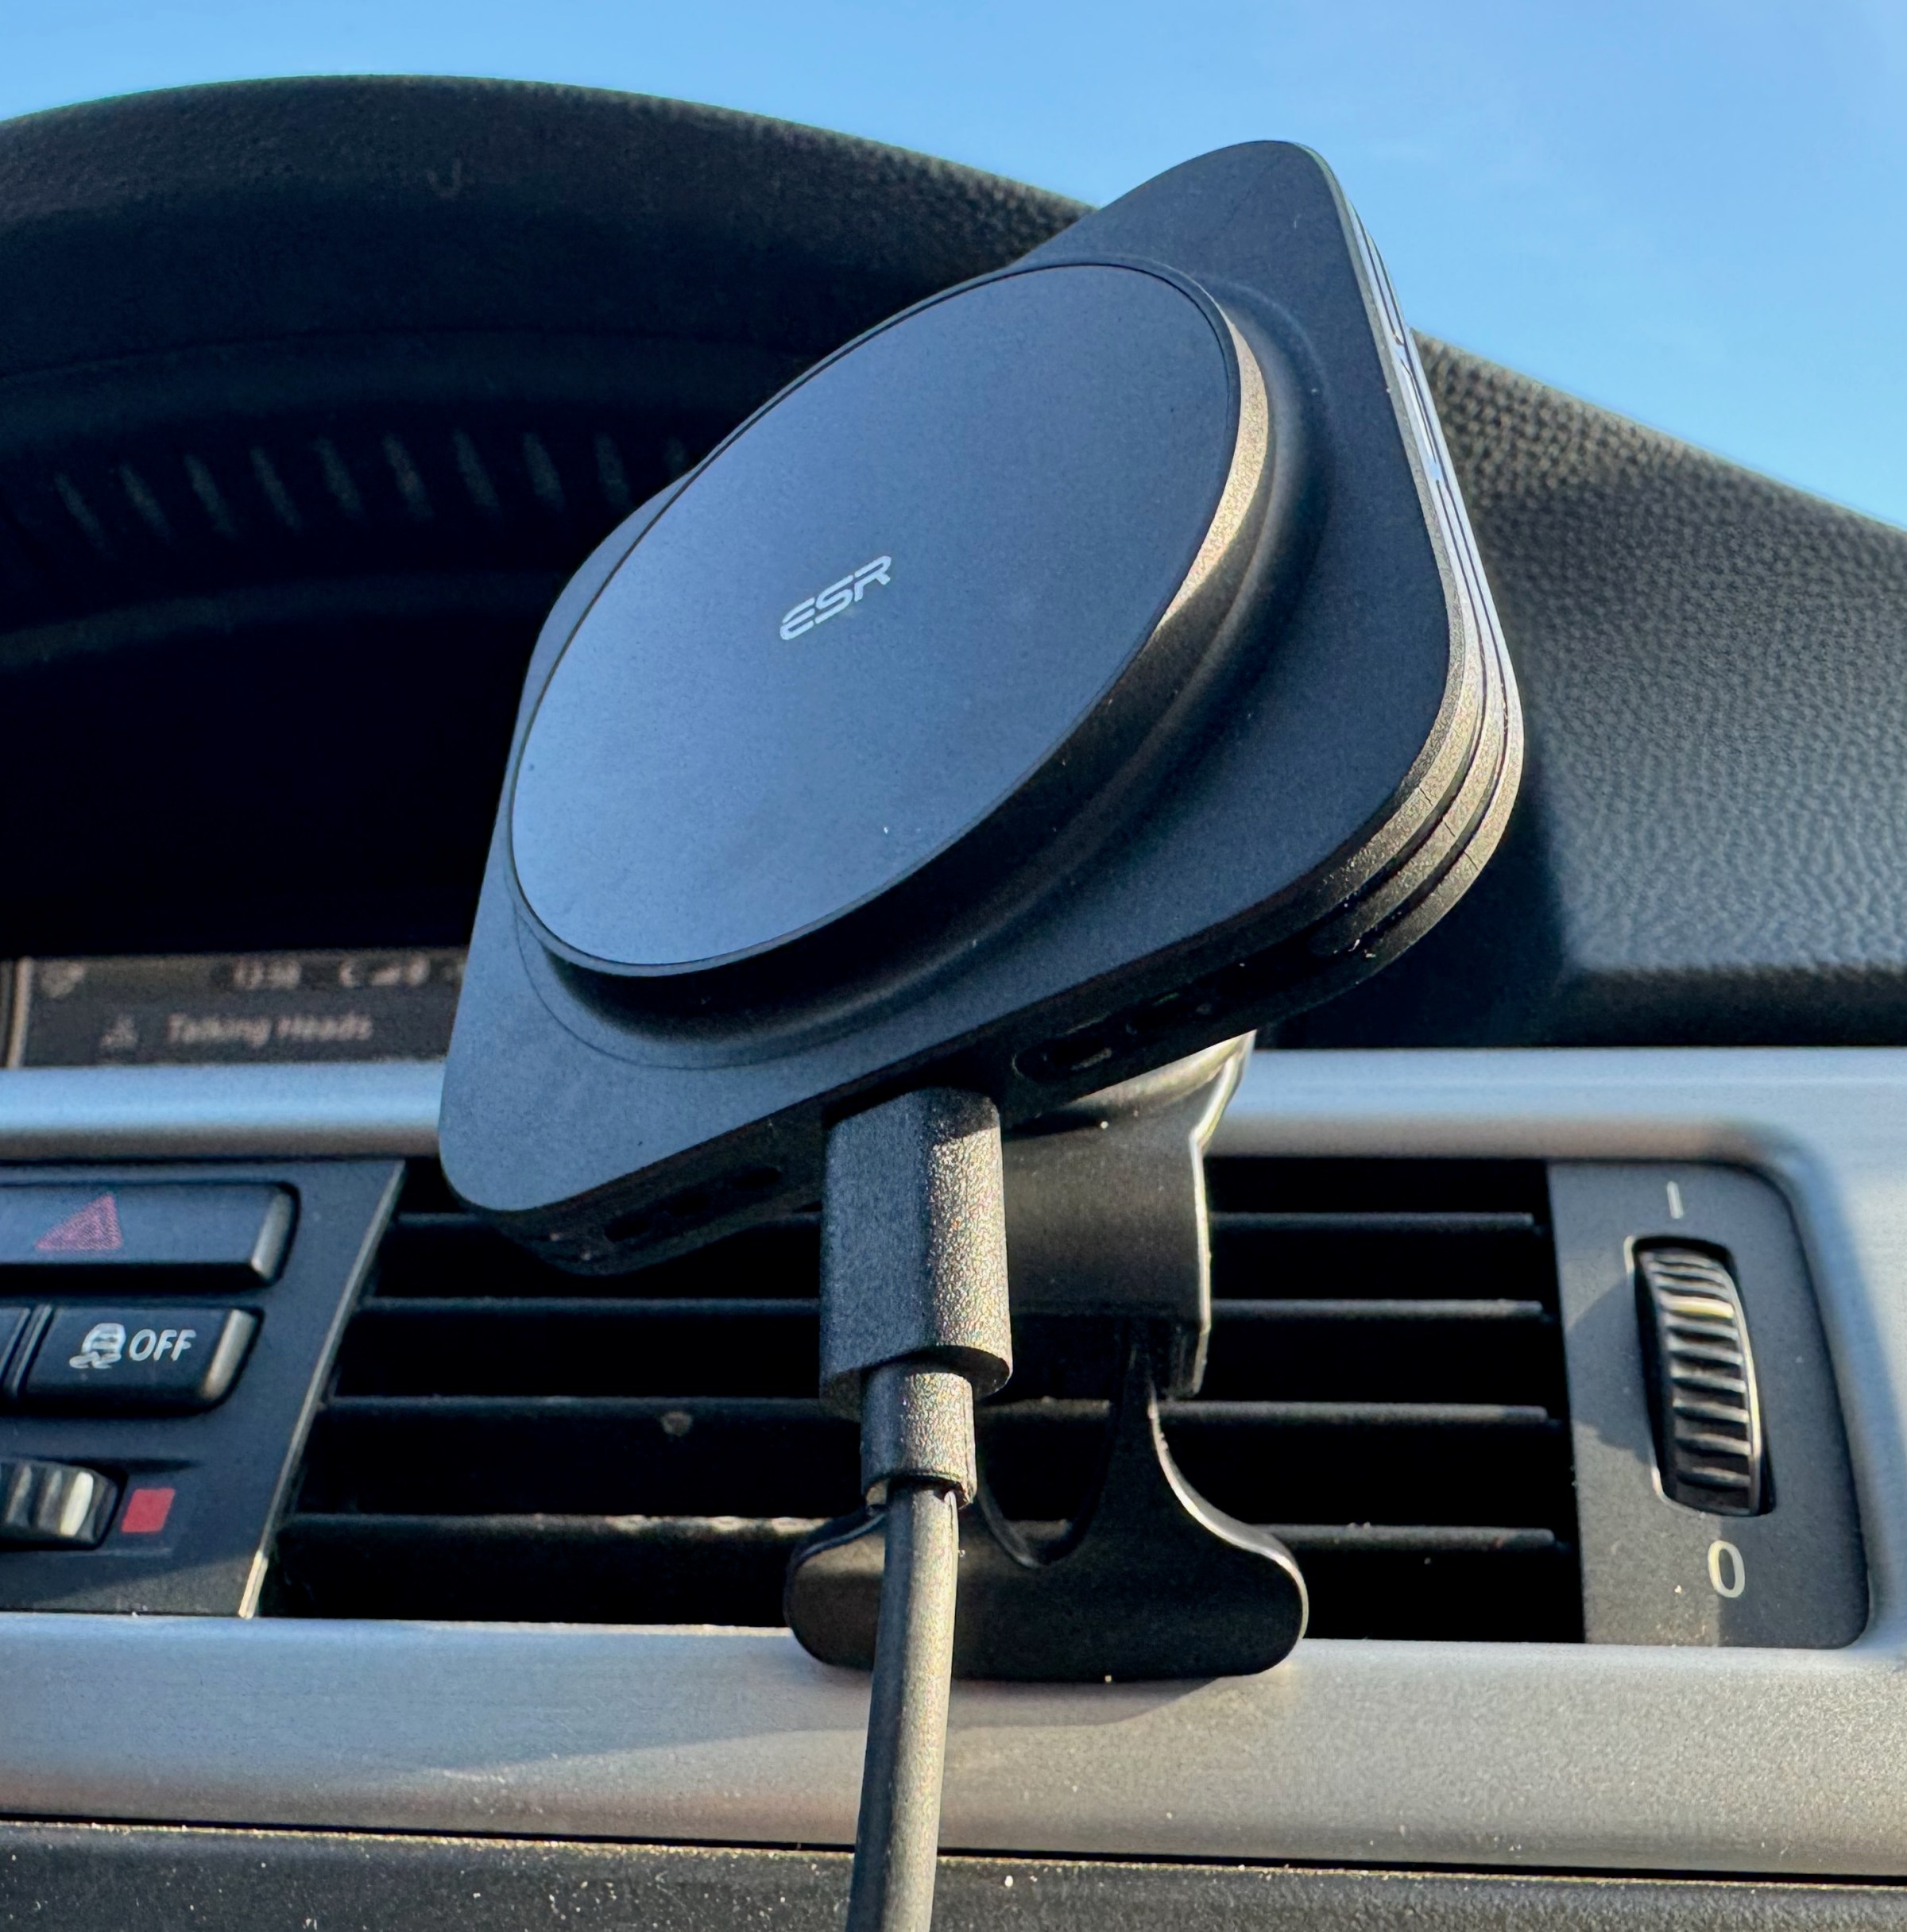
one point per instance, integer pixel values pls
(474, 1531)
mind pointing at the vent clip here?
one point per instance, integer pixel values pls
(1106, 1218)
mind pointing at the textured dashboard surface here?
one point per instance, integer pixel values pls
(1711, 844)
(80, 1878)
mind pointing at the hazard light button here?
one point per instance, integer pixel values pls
(126, 1360)
(197, 1236)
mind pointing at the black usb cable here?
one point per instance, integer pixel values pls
(914, 1325)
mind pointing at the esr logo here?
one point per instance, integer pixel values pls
(838, 597)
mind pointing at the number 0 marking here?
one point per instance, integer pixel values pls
(1726, 1571)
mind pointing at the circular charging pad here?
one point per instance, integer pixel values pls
(949, 582)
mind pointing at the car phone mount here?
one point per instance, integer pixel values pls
(1105, 1220)
(1085, 665)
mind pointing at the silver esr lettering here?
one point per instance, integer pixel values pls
(842, 594)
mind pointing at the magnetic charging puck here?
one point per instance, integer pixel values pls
(928, 602)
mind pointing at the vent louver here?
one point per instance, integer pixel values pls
(1385, 1388)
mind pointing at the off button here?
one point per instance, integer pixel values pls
(122, 1361)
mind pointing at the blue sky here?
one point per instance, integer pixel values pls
(1693, 212)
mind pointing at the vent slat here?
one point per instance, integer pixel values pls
(598, 1307)
(690, 1532)
(1393, 1351)
(1418, 1538)
(436, 1255)
(1314, 1461)
(1007, 1415)
(1426, 1225)
(1306, 1264)
(748, 1411)
(1359, 1415)
(481, 1456)
(439, 1348)
(725, 1570)
(691, 1570)
(543, 1307)
(1299, 1310)
(1385, 1388)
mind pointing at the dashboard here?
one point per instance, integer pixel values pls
(413, 1581)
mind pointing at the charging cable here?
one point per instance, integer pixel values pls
(914, 1325)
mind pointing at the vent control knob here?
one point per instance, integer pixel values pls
(1702, 1395)
(53, 1506)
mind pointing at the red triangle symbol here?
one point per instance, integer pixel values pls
(92, 1230)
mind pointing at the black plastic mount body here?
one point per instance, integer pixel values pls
(1150, 1581)
(1106, 1209)
(1336, 797)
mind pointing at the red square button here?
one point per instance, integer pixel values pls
(146, 1512)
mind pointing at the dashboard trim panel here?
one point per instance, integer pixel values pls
(1572, 1757)
(186, 1113)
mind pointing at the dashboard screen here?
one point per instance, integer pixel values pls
(231, 1008)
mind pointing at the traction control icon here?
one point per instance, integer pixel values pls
(104, 1344)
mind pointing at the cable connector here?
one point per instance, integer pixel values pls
(917, 1427)
(913, 1249)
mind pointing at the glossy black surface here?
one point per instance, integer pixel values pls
(876, 616)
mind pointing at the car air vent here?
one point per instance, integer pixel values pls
(1385, 1387)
